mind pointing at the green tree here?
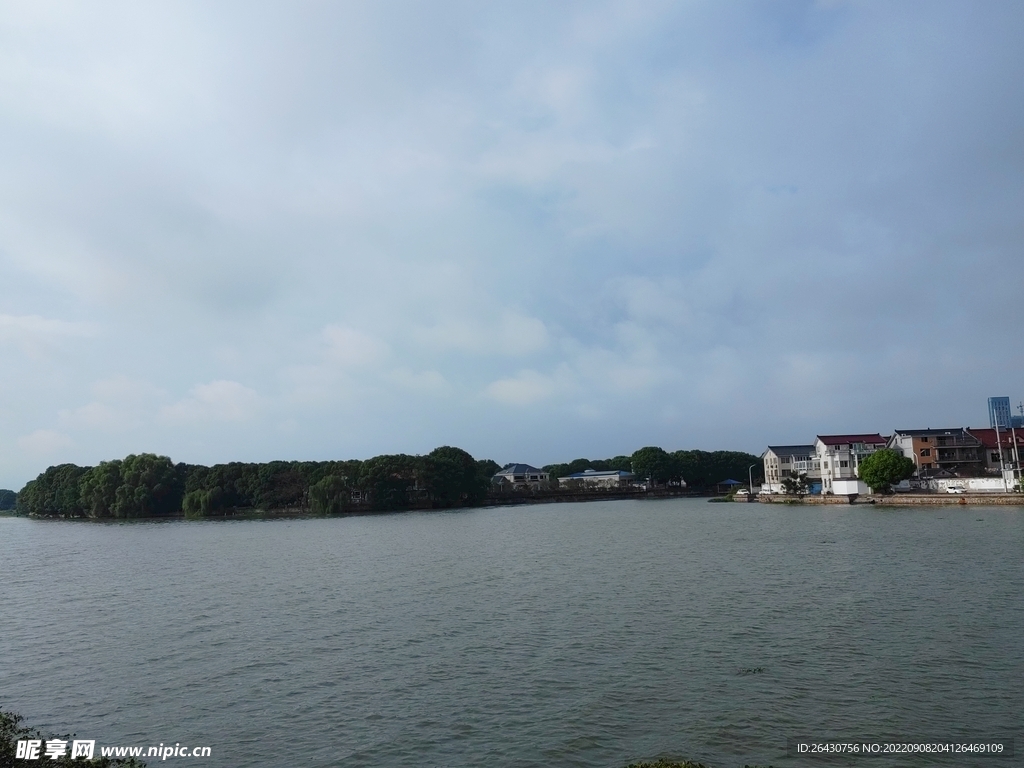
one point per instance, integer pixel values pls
(280, 484)
(389, 479)
(149, 486)
(702, 469)
(54, 492)
(231, 486)
(795, 484)
(652, 463)
(8, 499)
(623, 463)
(883, 469)
(487, 468)
(453, 478)
(200, 503)
(616, 463)
(331, 495)
(97, 489)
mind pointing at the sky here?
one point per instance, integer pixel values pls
(244, 231)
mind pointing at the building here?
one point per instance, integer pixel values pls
(954, 450)
(593, 478)
(781, 460)
(521, 476)
(839, 457)
(991, 440)
(999, 413)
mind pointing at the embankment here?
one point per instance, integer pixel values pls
(905, 499)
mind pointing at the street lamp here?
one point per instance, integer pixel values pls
(750, 477)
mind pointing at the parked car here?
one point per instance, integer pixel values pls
(954, 489)
(742, 492)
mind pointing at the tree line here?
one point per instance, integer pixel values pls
(147, 485)
(698, 469)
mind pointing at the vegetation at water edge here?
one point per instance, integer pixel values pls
(12, 731)
(147, 485)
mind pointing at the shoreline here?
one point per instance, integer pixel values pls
(504, 500)
(903, 499)
(894, 500)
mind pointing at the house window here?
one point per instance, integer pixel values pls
(924, 439)
(844, 463)
(995, 457)
(926, 451)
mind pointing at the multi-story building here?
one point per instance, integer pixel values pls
(839, 457)
(954, 450)
(782, 460)
(999, 413)
(1009, 443)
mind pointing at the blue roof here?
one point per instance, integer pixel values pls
(605, 473)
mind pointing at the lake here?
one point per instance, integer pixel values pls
(550, 635)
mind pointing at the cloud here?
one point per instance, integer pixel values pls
(218, 401)
(36, 335)
(395, 222)
(44, 442)
(510, 334)
(426, 382)
(121, 403)
(350, 348)
(528, 387)
(94, 415)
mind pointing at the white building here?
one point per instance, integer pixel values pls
(782, 460)
(839, 457)
(593, 478)
(521, 476)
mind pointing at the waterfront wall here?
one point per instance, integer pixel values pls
(904, 499)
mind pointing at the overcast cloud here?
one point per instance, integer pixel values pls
(247, 231)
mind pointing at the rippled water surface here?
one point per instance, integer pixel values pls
(556, 635)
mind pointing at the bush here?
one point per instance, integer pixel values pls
(12, 731)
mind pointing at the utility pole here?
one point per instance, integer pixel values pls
(999, 443)
(1016, 453)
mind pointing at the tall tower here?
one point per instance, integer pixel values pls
(999, 412)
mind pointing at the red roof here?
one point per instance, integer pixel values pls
(874, 437)
(988, 437)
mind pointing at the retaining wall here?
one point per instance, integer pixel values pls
(904, 499)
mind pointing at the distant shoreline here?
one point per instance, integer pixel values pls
(502, 500)
(903, 499)
(556, 497)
